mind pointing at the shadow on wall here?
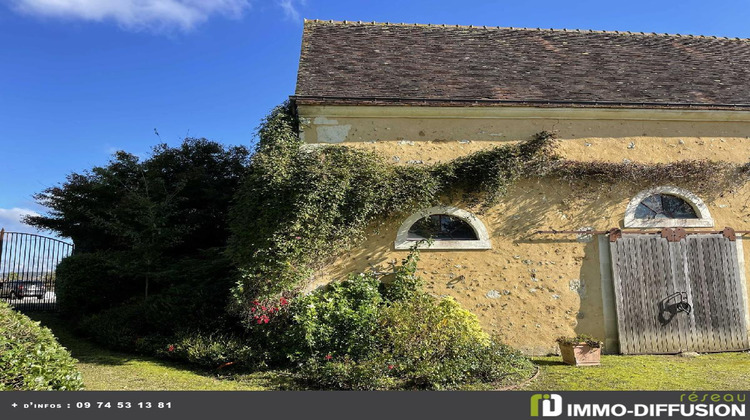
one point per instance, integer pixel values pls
(370, 255)
(545, 204)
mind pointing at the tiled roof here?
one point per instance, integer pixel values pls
(383, 63)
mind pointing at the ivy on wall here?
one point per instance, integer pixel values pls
(301, 205)
(703, 177)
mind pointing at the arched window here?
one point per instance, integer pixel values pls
(667, 207)
(441, 227)
(448, 227)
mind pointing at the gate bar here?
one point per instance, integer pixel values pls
(28, 257)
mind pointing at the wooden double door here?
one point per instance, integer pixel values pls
(679, 295)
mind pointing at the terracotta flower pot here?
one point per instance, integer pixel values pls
(580, 354)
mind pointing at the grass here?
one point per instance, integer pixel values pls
(707, 372)
(103, 369)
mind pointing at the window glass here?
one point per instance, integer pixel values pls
(441, 227)
(664, 206)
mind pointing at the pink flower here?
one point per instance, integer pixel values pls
(284, 301)
(297, 237)
(390, 367)
(171, 347)
(328, 356)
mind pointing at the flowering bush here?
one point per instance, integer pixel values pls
(263, 311)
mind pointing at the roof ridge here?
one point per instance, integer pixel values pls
(374, 23)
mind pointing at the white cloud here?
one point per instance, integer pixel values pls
(152, 15)
(10, 220)
(290, 8)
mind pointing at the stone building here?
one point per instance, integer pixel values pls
(672, 280)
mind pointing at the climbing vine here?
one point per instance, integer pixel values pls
(701, 176)
(301, 205)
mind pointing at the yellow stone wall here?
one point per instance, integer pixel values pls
(530, 289)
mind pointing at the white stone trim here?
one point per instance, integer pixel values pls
(704, 216)
(482, 241)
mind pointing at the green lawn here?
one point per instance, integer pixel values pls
(104, 369)
(719, 371)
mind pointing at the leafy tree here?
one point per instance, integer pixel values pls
(148, 218)
(175, 200)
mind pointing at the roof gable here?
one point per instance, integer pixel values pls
(355, 62)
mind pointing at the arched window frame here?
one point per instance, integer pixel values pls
(704, 216)
(482, 241)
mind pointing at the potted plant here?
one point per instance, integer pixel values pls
(580, 350)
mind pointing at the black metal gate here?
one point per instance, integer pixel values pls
(27, 269)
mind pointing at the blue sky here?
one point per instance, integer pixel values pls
(80, 79)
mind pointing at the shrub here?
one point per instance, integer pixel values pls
(31, 358)
(215, 351)
(195, 303)
(358, 334)
(118, 328)
(90, 283)
(403, 283)
(436, 344)
(367, 374)
(420, 343)
(340, 320)
(128, 328)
